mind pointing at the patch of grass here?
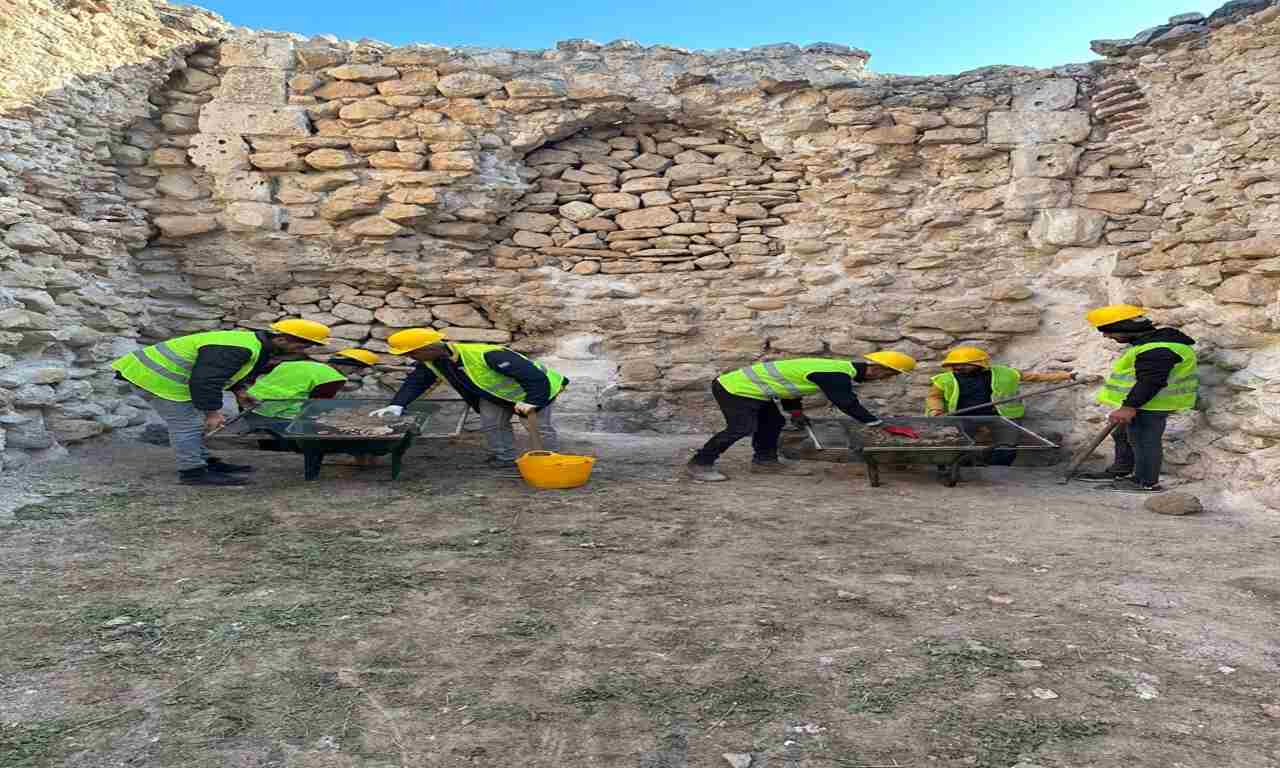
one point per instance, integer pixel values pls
(29, 745)
(96, 615)
(1114, 681)
(750, 695)
(527, 626)
(239, 524)
(1001, 742)
(948, 665)
(290, 619)
(42, 512)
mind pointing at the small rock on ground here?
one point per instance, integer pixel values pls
(1173, 504)
(738, 760)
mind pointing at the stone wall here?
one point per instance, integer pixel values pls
(644, 218)
(73, 77)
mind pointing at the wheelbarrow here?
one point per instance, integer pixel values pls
(948, 457)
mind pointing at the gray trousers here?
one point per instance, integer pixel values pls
(186, 432)
(495, 422)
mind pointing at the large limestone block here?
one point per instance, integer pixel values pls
(236, 118)
(363, 73)
(691, 173)
(253, 84)
(1116, 202)
(247, 217)
(893, 134)
(1031, 194)
(579, 211)
(622, 201)
(219, 153)
(533, 222)
(1045, 95)
(352, 200)
(409, 161)
(647, 218)
(954, 321)
(1046, 161)
(367, 109)
(32, 236)
(395, 317)
(344, 89)
(276, 161)
(461, 315)
(1067, 226)
(952, 135)
(551, 157)
(333, 160)
(185, 226)
(258, 51)
(1255, 290)
(1024, 127)
(468, 84)
(179, 185)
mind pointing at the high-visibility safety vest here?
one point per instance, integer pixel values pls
(1178, 394)
(494, 382)
(1004, 383)
(782, 379)
(285, 388)
(164, 369)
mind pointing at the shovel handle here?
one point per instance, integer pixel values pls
(813, 436)
(1027, 396)
(1087, 452)
(531, 426)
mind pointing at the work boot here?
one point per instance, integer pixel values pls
(214, 464)
(493, 462)
(1129, 485)
(775, 467)
(203, 476)
(704, 473)
(1108, 475)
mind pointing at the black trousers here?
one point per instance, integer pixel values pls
(1140, 446)
(743, 416)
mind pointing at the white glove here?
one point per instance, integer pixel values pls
(524, 409)
(390, 410)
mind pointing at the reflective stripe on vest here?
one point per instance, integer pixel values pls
(1178, 393)
(164, 369)
(1004, 383)
(782, 379)
(285, 388)
(503, 387)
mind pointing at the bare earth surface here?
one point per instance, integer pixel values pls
(460, 618)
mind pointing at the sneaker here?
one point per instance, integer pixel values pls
(704, 473)
(1108, 475)
(203, 476)
(776, 467)
(493, 462)
(1127, 485)
(214, 464)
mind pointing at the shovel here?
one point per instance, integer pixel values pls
(819, 453)
(1086, 453)
(225, 424)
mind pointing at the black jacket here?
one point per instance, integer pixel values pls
(838, 388)
(531, 378)
(1152, 368)
(215, 365)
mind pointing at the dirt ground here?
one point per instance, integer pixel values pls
(459, 618)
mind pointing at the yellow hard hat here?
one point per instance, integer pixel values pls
(360, 355)
(967, 356)
(316, 333)
(890, 359)
(410, 339)
(1113, 314)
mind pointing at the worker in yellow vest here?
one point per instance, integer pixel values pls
(356, 365)
(1156, 376)
(185, 377)
(495, 381)
(279, 394)
(969, 378)
(749, 397)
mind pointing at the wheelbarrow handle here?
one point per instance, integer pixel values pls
(1016, 398)
(531, 426)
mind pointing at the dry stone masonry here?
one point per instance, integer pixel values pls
(640, 217)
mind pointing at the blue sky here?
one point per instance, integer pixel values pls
(906, 37)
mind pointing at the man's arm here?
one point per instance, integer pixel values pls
(214, 367)
(838, 388)
(935, 404)
(420, 379)
(326, 391)
(1152, 369)
(536, 386)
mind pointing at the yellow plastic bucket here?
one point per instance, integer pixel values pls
(545, 469)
